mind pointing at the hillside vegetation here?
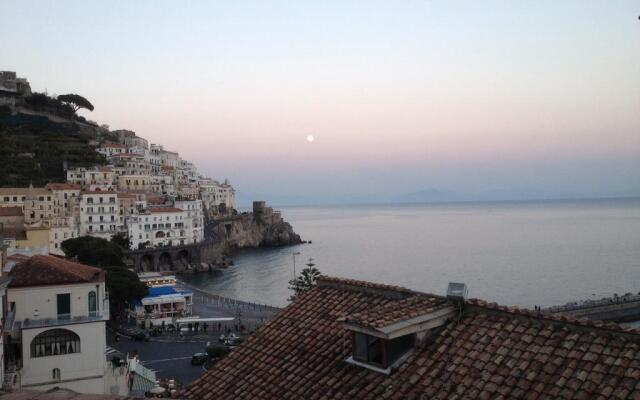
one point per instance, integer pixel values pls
(33, 149)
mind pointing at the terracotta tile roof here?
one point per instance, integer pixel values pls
(155, 199)
(62, 186)
(50, 270)
(489, 352)
(401, 310)
(155, 210)
(11, 212)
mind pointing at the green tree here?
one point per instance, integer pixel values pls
(216, 351)
(75, 101)
(305, 281)
(93, 251)
(122, 240)
(123, 285)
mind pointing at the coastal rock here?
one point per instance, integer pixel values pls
(280, 234)
(250, 230)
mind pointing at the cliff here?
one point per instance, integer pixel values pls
(248, 230)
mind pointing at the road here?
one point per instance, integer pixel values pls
(169, 360)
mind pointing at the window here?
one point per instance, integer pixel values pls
(55, 342)
(93, 304)
(64, 305)
(56, 374)
(367, 348)
(380, 352)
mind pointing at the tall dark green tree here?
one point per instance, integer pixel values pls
(123, 285)
(93, 251)
(75, 101)
(305, 281)
(122, 240)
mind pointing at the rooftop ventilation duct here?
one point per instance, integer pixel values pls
(457, 292)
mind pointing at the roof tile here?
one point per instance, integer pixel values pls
(490, 352)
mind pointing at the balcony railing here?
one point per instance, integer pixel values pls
(61, 319)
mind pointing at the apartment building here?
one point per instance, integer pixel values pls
(99, 213)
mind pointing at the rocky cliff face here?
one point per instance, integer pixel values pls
(245, 231)
(280, 234)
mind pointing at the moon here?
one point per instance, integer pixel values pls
(310, 138)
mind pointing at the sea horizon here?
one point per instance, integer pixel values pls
(244, 207)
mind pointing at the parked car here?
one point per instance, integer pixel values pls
(141, 337)
(199, 358)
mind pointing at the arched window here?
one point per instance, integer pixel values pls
(56, 374)
(55, 342)
(159, 234)
(93, 304)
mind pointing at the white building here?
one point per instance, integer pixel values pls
(160, 226)
(60, 233)
(65, 198)
(99, 213)
(170, 158)
(56, 325)
(164, 304)
(94, 178)
(163, 184)
(194, 218)
(110, 149)
(133, 164)
(214, 194)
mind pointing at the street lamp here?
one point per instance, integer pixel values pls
(297, 253)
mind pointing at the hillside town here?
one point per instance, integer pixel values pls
(110, 318)
(55, 311)
(144, 192)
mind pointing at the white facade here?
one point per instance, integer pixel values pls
(214, 194)
(194, 223)
(170, 159)
(101, 178)
(133, 164)
(99, 214)
(58, 234)
(64, 350)
(110, 149)
(162, 226)
(163, 184)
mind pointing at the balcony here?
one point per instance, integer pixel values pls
(14, 326)
(96, 212)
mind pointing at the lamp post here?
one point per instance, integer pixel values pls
(297, 253)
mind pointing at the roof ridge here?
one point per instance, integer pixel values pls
(557, 319)
(397, 292)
